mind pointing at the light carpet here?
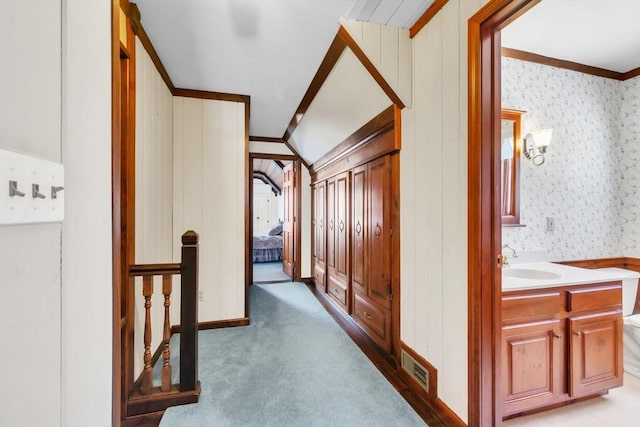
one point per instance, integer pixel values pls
(269, 272)
(293, 366)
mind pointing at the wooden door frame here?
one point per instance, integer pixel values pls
(123, 202)
(249, 219)
(484, 219)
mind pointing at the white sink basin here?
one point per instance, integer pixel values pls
(527, 273)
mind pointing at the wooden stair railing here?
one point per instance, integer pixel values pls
(144, 398)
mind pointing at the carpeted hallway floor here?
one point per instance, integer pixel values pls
(269, 272)
(293, 366)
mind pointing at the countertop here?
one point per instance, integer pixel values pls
(566, 275)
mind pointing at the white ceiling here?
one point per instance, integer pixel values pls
(600, 33)
(268, 49)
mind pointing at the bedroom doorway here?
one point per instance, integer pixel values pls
(274, 209)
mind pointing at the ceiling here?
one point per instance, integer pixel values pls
(267, 49)
(599, 33)
(272, 170)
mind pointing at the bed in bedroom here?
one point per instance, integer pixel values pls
(267, 248)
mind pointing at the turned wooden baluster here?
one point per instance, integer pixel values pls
(166, 354)
(147, 373)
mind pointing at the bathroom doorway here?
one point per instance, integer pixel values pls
(485, 225)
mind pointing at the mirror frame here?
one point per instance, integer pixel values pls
(511, 217)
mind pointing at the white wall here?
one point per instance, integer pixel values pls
(269, 148)
(578, 185)
(86, 232)
(389, 49)
(154, 192)
(629, 153)
(433, 191)
(209, 178)
(30, 309)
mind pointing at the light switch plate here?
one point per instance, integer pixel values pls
(26, 171)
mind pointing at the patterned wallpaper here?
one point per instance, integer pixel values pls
(630, 157)
(589, 182)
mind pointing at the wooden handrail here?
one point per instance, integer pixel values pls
(146, 398)
(138, 270)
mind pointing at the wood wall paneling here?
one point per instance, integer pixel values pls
(204, 135)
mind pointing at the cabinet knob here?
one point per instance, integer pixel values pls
(576, 334)
(557, 336)
(358, 228)
(367, 315)
(377, 231)
(341, 225)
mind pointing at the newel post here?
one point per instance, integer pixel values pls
(189, 312)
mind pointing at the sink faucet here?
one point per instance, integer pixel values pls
(505, 258)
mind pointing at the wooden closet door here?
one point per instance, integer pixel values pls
(379, 236)
(319, 198)
(288, 228)
(331, 216)
(342, 220)
(358, 247)
(319, 222)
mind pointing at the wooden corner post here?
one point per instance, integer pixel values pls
(189, 312)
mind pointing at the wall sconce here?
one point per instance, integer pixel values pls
(535, 145)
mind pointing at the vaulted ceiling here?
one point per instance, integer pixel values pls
(269, 50)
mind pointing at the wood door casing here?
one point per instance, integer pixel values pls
(532, 364)
(379, 232)
(331, 216)
(288, 227)
(595, 353)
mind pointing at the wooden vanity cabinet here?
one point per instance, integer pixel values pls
(560, 344)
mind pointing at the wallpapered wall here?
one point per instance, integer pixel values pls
(630, 156)
(589, 182)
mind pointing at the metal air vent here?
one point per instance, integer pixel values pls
(415, 370)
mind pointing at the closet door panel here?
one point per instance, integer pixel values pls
(320, 234)
(342, 222)
(379, 237)
(358, 247)
(331, 241)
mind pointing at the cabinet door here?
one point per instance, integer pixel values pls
(331, 216)
(319, 235)
(342, 223)
(379, 227)
(595, 353)
(532, 360)
(359, 239)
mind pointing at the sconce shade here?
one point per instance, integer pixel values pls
(537, 140)
(542, 138)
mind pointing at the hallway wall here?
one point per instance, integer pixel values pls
(30, 309)
(208, 183)
(154, 192)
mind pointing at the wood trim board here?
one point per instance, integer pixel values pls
(484, 218)
(331, 57)
(426, 17)
(561, 63)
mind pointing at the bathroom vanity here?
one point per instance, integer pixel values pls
(561, 335)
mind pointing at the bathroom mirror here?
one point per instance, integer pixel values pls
(510, 144)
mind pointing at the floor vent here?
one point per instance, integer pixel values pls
(415, 370)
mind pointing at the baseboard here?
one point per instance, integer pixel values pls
(218, 324)
(307, 281)
(446, 414)
(433, 374)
